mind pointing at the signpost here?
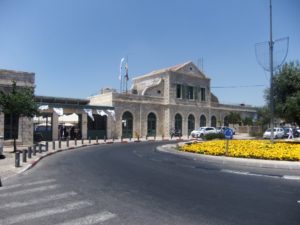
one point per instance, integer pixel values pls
(228, 133)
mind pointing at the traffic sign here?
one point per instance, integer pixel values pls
(228, 133)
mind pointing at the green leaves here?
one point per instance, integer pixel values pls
(19, 101)
(287, 92)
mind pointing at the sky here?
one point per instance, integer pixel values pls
(74, 47)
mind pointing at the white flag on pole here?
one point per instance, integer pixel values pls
(121, 63)
(59, 111)
(90, 113)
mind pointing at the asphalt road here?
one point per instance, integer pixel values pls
(133, 184)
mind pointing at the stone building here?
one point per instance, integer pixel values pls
(177, 97)
(25, 126)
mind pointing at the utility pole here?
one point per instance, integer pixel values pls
(271, 46)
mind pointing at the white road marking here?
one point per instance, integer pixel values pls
(91, 219)
(27, 184)
(38, 200)
(26, 191)
(234, 172)
(298, 201)
(45, 212)
(291, 177)
(248, 173)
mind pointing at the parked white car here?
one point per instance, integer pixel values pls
(278, 133)
(201, 131)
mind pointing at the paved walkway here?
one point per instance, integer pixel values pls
(8, 169)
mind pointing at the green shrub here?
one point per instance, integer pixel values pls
(213, 136)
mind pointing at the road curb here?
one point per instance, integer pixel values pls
(172, 149)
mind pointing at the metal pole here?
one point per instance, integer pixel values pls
(17, 159)
(271, 46)
(29, 152)
(34, 150)
(24, 154)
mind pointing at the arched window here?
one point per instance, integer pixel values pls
(151, 128)
(202, 121)
(178, 123)
(213, 121)
(191, 124)
(127, 124)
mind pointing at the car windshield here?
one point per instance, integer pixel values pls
(269, 130)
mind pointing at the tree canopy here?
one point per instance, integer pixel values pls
(19, 102)
(286, 90)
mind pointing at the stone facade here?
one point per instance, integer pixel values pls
(182, 91)
(23, 79)
(177, 97)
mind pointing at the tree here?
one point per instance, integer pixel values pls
(263, 116)
(19, 102)
(286, 89)
(247, 121)
(234, 118)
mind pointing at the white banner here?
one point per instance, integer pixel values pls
(90, 113)
(43, 107)
(59, 111)
(101, 113)
(112, 113)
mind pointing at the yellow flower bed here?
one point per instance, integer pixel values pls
(258, 149)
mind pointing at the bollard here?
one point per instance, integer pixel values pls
(17, 159)
(89, 140)
(47, 146)
(97, 139)
(40, 148)
(113, 139)
(154, 137)
(121, 138)
(24, 155)
(130, 138)
(75, 140)
(59, 143)
(53, 145)
(68, 142)
(162, 137)
(82, 141)
(29, 152)
(104, 138)
(34, 150)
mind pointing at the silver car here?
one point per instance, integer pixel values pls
(201, 131)
(278, 133)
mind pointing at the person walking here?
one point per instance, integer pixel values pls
(291, 136)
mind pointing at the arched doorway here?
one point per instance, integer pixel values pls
(226, 123)
(127, 125)
(178, 123)
(151, 122)
(96, 128)
(213, 121)
(202, 121)
(191, 124)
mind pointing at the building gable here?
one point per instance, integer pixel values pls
(191, 69)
